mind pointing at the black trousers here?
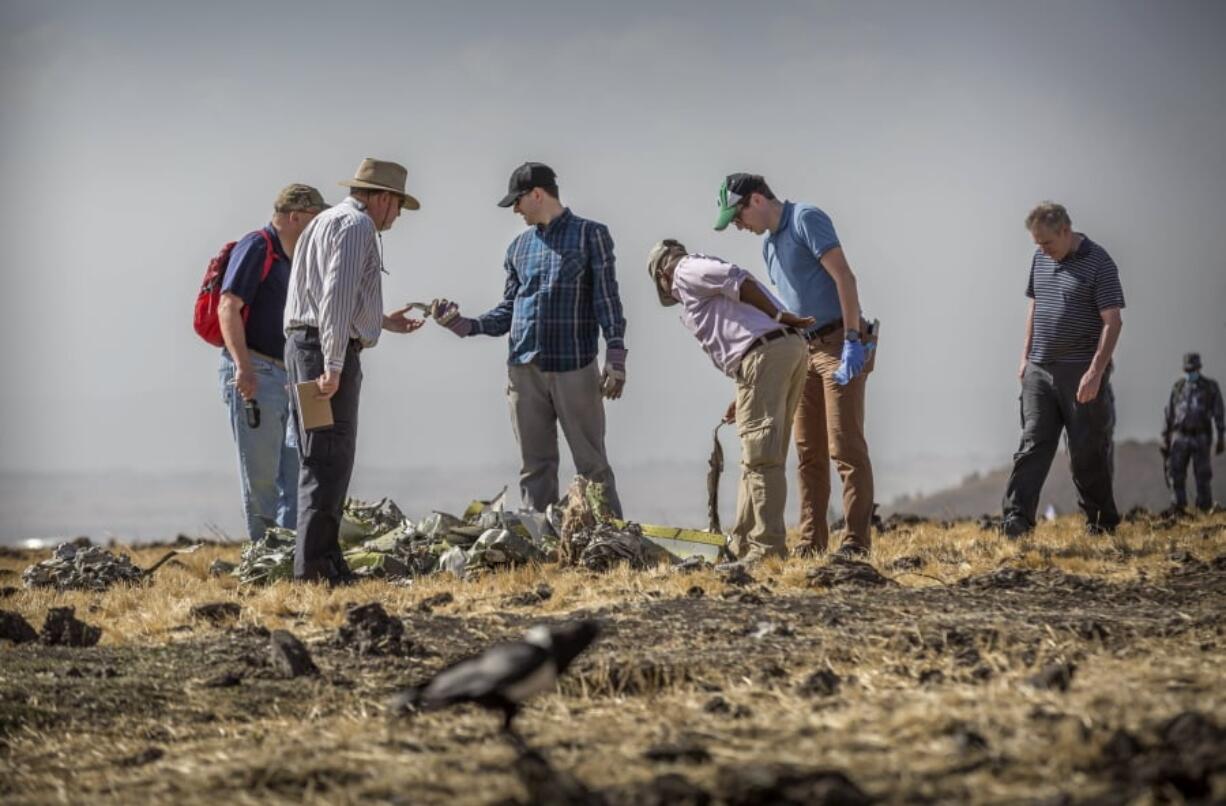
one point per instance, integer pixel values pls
(327, 456)
(1194, 448)
(1049, 406)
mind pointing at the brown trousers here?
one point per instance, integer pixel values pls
(830, 425)
(768, 387)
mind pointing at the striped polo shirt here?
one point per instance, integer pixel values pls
(335, 284)
(1069, 296)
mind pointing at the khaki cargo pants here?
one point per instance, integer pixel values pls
(769, 381)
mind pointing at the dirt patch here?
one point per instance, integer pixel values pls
(1057, 679)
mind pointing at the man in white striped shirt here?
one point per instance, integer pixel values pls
(334, 311)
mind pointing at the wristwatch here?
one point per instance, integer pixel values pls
(851, 335)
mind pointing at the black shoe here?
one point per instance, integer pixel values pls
(1015, 528)
(851, 551)
(344, 580)
(1099, 529)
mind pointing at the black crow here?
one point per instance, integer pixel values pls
(502, 677)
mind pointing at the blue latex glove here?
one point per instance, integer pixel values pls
(855, 356)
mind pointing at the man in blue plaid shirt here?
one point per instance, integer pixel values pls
(561, 291)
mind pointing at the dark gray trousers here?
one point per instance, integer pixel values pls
(326, 459)
(1049, 406)
(1194, 448)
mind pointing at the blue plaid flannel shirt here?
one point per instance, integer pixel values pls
(560, 290)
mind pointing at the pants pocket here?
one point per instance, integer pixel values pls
(759, 442)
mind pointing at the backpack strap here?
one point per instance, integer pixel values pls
(270, 255)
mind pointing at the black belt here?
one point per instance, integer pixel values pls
(313, 332)
(824, 330)
(766, 337)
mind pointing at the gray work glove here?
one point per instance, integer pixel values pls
(447, 314)
(613, 380)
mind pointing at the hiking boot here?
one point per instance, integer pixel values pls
(808, 550)
(851, 551)
(1015, 528)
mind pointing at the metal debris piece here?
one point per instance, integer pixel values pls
(81, 568)
(220, 568)
(715, 470)
(267, 560)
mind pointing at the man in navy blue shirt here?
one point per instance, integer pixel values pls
(253, 362)
(1071, 330)
(805, 262)
(560, 294)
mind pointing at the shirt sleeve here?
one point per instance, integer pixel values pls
(1030, 282)
(1107, 290)
(816, 230)
(1219, 412)
(702, 277)
(342, 277)
(606, 301)
(497, 321)
(246, 264)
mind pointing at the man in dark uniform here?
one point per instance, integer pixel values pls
(1194, 409)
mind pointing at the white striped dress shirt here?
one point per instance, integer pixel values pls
(335, 284)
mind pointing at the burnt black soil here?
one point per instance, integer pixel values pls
(1041, 629)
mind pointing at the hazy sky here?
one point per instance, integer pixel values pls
(138, 137)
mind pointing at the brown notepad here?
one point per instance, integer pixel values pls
(316, 412)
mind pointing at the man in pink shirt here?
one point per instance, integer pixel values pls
(753, 340)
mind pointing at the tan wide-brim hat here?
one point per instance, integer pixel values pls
(375, 174)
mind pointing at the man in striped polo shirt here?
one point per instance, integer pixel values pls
(560, 293)
(1071, 331)
(334, 311)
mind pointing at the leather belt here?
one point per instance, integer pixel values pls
(313, 332)
(767, 337)
(824, 330)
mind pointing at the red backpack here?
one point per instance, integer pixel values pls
(207, 325)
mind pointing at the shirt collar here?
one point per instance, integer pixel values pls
(785, 218)
(354, 203)
(559, 221)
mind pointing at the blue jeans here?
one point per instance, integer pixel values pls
(267, 455)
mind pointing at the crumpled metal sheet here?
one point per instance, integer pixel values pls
(74, 567)
(379, 541)
(592, 538)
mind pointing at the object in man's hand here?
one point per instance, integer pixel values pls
(252, 408)
(314, 411)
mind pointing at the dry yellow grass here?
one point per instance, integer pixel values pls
(650, 681)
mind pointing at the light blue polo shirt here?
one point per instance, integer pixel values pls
(793, 262)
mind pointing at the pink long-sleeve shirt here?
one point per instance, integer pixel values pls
(709, 290)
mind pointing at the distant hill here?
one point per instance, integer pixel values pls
(1138, 481)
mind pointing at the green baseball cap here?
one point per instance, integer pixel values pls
(735, 188)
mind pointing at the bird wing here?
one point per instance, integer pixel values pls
(493, 671)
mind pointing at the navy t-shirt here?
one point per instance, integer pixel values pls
(1069, 297)
(265, 325)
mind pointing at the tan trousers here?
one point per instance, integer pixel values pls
(830, 425)
(768, 386)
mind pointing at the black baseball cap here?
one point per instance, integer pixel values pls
(526, 177)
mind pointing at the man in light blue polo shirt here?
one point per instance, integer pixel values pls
(805, 261)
